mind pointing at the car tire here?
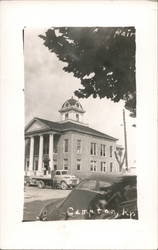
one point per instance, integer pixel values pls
(63, 185)
(41, 184)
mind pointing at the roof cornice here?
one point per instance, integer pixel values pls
(89, 133)
(49, 127)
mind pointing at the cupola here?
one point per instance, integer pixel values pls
(72, 110)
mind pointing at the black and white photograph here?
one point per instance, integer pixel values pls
(80, 114)
(78, 110)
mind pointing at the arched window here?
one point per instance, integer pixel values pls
(77, 117)
(111, 167)
(66, 116)
(67, 104)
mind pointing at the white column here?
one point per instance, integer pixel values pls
(51, 138)
(31, 154)
(40, 157)
(25, 169)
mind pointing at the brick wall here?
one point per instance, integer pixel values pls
(85, 157)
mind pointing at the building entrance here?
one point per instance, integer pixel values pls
(46, 165)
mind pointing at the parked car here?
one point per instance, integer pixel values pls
(97, 197)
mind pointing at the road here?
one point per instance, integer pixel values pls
(35, 199)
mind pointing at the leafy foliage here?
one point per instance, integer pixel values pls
(102, 58)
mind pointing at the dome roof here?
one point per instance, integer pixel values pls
(72, 104)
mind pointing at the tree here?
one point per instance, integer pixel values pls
(102, 58)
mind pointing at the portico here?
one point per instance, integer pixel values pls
(39, 153)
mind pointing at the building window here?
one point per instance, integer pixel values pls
(78, 146)
(66, 145)
(27, 146)
(66, 116)
(93, 148)
(111, 151)
(55, 164)
(36, 145)
(55, 148)
(65, 167)
(111, 166)
(102, 150)
(78, 164)
(55, 143)
(26, 166)
(103, 166)
(67, 104)
(35, 165)
(77, 117)
(93, 166)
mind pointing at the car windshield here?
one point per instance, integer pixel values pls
(94, 185)
(87, 184)
(64, 172)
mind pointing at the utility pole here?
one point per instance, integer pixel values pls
(125, 140)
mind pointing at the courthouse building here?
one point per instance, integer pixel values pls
(68, 144)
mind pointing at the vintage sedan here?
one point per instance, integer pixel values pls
(97, 197)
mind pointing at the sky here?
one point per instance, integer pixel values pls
(47, 87)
